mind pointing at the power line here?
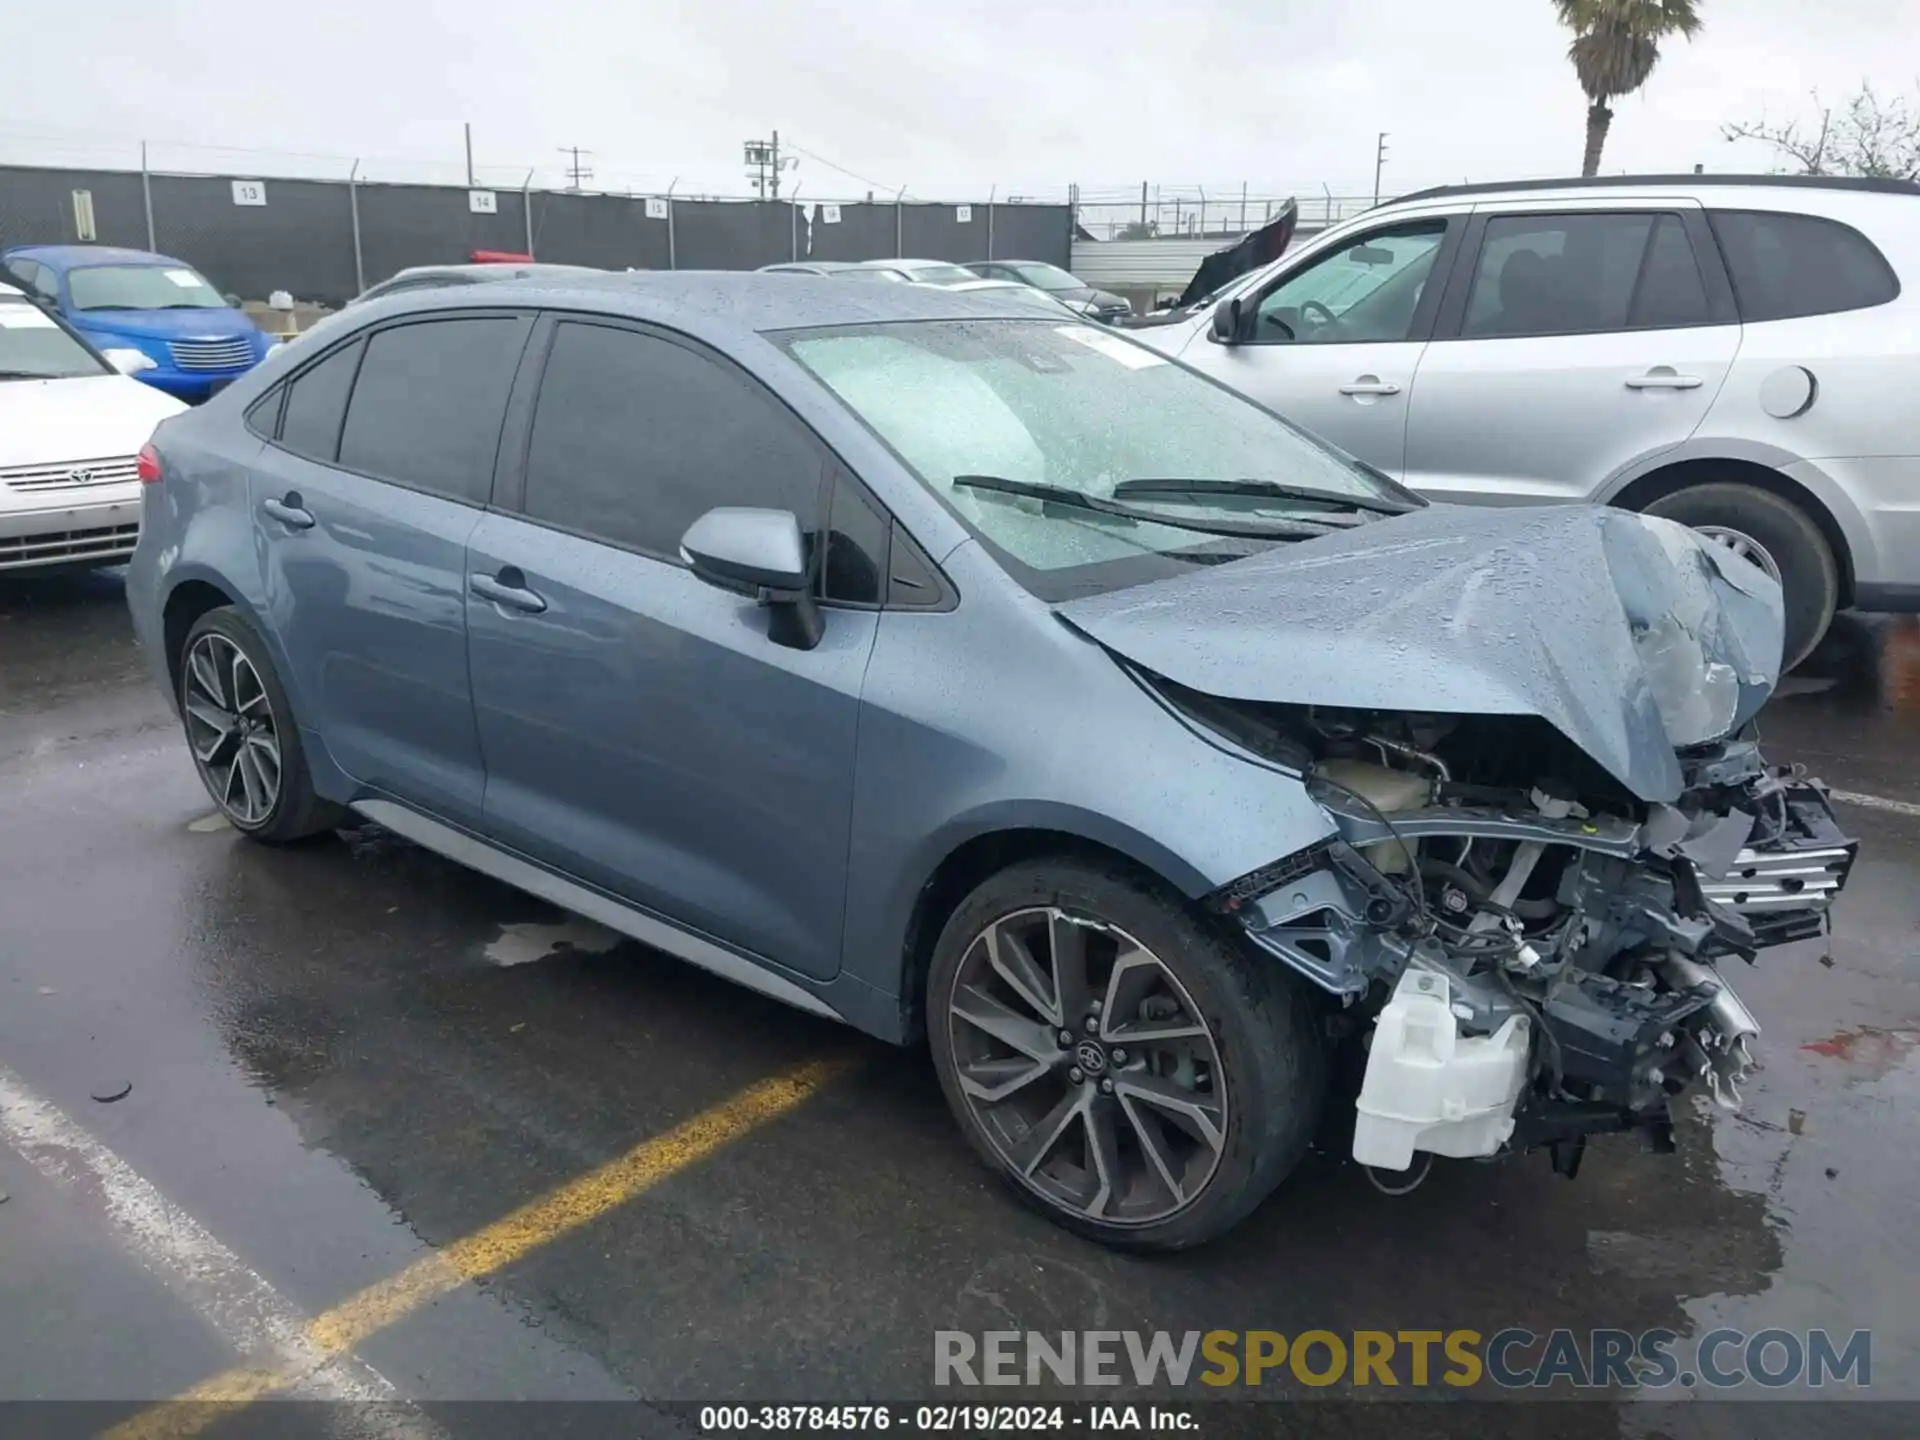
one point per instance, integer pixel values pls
(840, 169)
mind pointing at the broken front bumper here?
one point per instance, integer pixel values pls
(1628, 1008)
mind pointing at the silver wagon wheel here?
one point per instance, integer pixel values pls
(1087, 1065)
(231, 729)
(1743, 545)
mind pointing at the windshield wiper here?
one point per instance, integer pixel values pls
(1259, 489)
(28, 375)
(1080, 500)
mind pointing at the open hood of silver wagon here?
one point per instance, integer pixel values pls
(1632, 636)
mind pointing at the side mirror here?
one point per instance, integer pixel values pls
(1226, 321)
(763, 553)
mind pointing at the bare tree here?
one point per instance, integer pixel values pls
(1867, 136)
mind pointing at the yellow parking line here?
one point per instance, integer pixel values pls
(485, 1251)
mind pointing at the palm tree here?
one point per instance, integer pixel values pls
(1616, 44)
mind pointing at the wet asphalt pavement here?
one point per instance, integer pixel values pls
(347, 1054)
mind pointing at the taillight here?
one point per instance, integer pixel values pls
(148, 468)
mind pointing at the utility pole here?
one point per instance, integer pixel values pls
(1143, 207)
(469, 128)
(764, 156)
(1379, 159)
(576, 172)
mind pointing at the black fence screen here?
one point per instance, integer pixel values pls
(325, 240)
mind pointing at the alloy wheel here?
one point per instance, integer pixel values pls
(231, 730)
(1088, 1066)
(1743, 545)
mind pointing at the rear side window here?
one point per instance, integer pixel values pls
(635, 438)
(1788, 265)
(1583, 274)
(427, 407)
(316, 403)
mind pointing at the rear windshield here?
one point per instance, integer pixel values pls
(33, 346)
(141, 287)
(942, 274)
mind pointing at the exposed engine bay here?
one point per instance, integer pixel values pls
(1530, 953)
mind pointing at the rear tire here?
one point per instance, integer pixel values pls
(1809, 574)
(1201, 1076)
(243, 736)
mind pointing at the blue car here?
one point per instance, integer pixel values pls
(154, 317)
(982, 678)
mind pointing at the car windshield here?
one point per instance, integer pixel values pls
(1045, 277)
(943, 274)
(33, 346)
(141, 287)
(1080, 410)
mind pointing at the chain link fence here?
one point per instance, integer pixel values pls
(324, 241)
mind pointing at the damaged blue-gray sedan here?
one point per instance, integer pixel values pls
(975, 677)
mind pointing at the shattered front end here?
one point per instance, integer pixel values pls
(1551, 829)
(1538, 968)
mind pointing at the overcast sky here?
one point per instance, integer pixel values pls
(946, 98)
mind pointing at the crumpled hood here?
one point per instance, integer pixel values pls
(1630, 635)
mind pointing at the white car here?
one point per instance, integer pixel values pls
(1733, 352)
(71, 428)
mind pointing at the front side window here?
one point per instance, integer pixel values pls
(1362, 293)
(636, 437)
(1081, 411)
(1572, 274)
(429, 402)
(33, 346)
(141, 287)
(1787, 265)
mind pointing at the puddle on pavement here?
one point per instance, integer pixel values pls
(521, 944)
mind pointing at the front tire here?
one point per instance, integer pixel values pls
(241, 731)
(1130, 1072)
(1747, 519)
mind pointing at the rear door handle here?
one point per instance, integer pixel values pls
(1664, 377)
(290, 512)
(1369, 385)
(508, 588)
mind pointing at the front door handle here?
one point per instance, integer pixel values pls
(290, 512)
(1664, 377)
(1369, 385)
(508, 588)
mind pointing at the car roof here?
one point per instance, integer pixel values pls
(74, 257)
(905, 264)
(1689, 182)
(719, 304)
(811, 267)
(497, 270)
